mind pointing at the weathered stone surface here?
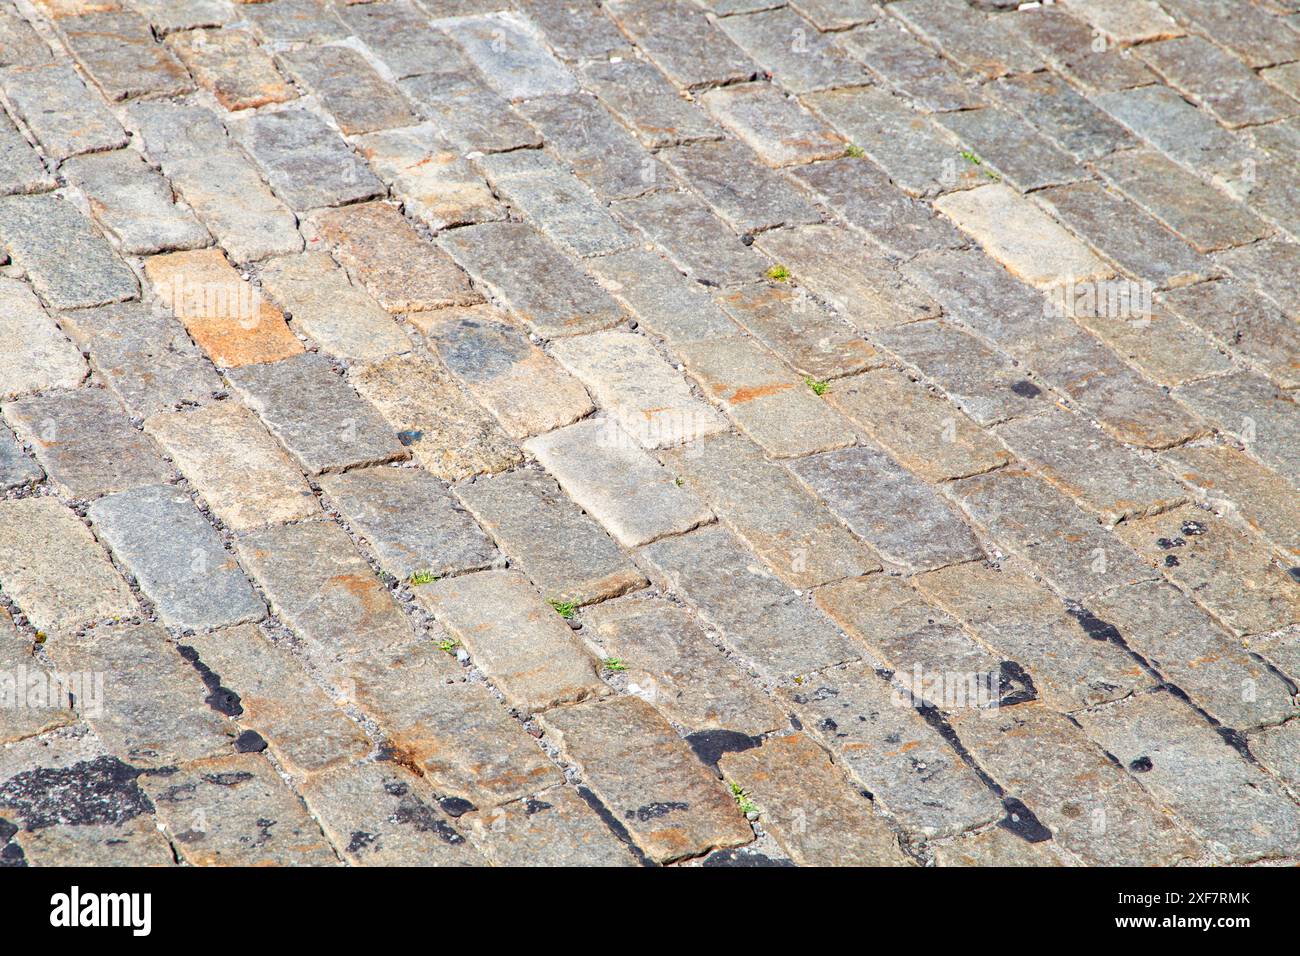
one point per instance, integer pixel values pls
(288, 396)
(216, 179)
(779, 130)
(1000, 847)
(358, 98)
(638, 94)
(324, 590)
(648, 777)
(304, 730)
(1266, 265)
(927, 434)
(150, 710)
(134, 843)
(447, 433)
(762, 621)
(1162, 346)
(791, 49)
(1188, 767)
(1185, 134)
(890, 750)
(1071, 667)
(1062, 115)
(532, 279)
(1278, 748)
(1250, 32)
(767, 509)
(666, 302)
(466, 114)
(984, 297)
(574, 31)
(294, 21)
(521, 644)
(230, 64)
(556, 827)
(16, 469)
(765, 399)
(410, 521)
(605, 471)
(1244, 322)
(65, 117)
(682, 42)
(671, 664)
(176, 557)
(1092, 808)
(1250, 409)
(69, 264)
(20, 45)
(837, 14)
(693, 238)
(36, 356)
(320, 301)
(120, 53)
(399, 33)
(511, 56)
(1089, 466)
(746, 195)
(902, 516)
(1128, 23)
(1236, 96)
(221, 310)
(28, 707)
(562, 550)
(21, 169)
(84, 441)
(1068, 45)
(810, 807)
(909, 66)
(975, 40)
(215, 812)
(400, 269)
(238, 469)
(306, 162)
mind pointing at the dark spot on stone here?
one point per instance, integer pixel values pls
(795, 722)
(232, 778)
(747, 240)
(1295, 573)
(532, 806)
(1140, 765)
(359, 841)
(1021, 821)
(828, 724)
(710, 745)
(1026, 389)
(250, 742)
(708, 282)
(417, 814)
(221, 699)
(410, 436)
(99, 791)
(1237, 740)
(1193, 528)
(1166, 543)
(1015, 686)
(1171, 561)
(1093, 626)
(395, 788)
(743, 857)
(653, 811)
(455, 806)
(614, 823)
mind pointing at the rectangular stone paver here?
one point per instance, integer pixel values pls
(23, 171)
(358, 98)
(523, 645)
(1009, 149)
(692, 237)
(231, 64)
(640, 96)
(41, 540)
(798, 56)
(399, 33)
(648, 777)
(410, 521)
(904, 62)
(1249, 408)
(64, 115)
(122, 56)
(511, 56)
(1236, 97)
(16, 469)
(36, 355)
(977, 41)
(25, 713)
(780, 131)
(661, 299)
(1126, 23)
(800, 540)
(682, 42)
(1067, 44)
(465, 114)
(1243, 321)
(234, 464)
(561, 549)
(557, 827)
(1062, 115)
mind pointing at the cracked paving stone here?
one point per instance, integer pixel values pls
(509, 376)
(1093, 809)
(925, 433)
(606, 472)
(234, 464)
(40, 539)
(122, 56)
(216, 179)
(16, 469)
(176, 557)
(561, 549)
(809, 337)
(151, 709)
(1235, 807)
(899, 514)
(798, 56)
(666, 302)
(1019, 617)
(1062, 115)
(134, 204)
(647, 104)
(320, 301)
(402, 271)
(232, 66)
(378, 814)
(1067, 45)
(536, 282)
(31, 712)
(85, 442)
(555, 202)
(681, 41)
(636, 386)
(1066, 544)
(36, 355)
(410, 520)
(671, 664)
(975, 40)
(289, 396)
(235, 811)
(522, 644)
(693, 238)
(223, 312)
(305, 731)
(1009, 149)
(305, 162)
(358, 98)
(69, 264)
(764, 397)
(648, 777)
(556, 827)
(1228, 573)
(762, 621)
(511, 55)
(324, 590)
(466, 114)
(889, 749)
(905, 63)
(809, 807)
(763, 505)
(1090, 466)
(1243, 321)
(778, 129)
(447, 432)
(1250, 409)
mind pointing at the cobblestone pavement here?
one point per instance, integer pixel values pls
(738, 432)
